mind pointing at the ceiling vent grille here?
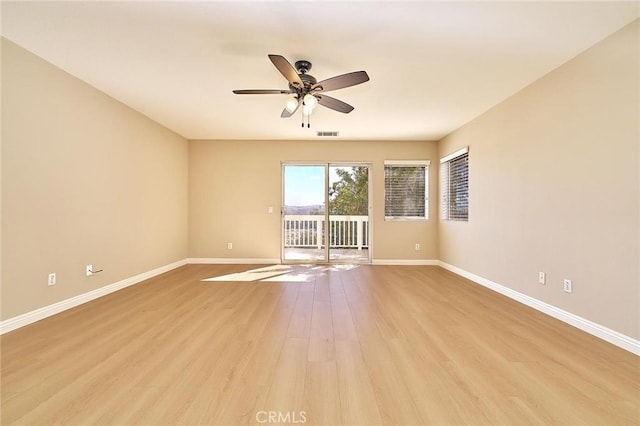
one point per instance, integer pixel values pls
(327, 133)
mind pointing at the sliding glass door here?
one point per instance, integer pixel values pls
(311, 232)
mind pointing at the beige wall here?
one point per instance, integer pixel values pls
(85, 179)
(231, 184)
(554, 187)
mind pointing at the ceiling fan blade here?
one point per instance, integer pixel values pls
(262, 92)
(286, 69)
(341, 81)
(333, 103)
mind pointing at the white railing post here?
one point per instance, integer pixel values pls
(359, 231)
(319, 222)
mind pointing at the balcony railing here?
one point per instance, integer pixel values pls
(307, 231)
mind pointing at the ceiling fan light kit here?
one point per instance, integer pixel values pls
(292, 104)
(306, 90)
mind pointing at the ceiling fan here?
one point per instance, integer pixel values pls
(306, 90)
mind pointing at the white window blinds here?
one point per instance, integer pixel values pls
(454, 185)
(406, 190)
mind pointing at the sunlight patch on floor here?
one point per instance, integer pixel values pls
(282, 273)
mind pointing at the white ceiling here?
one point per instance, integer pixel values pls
(433, 65)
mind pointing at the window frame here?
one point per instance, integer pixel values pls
(408, 163)
(446, 189)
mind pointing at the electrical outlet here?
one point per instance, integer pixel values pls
(568, 286)
(417, 247)
(229, 246)
(89, 270)
(52, 279)
(542, 278)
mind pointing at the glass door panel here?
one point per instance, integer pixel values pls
(303, 221)
(348, 230)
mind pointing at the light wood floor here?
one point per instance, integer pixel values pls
(368, 345)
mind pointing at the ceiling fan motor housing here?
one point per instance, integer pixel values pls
(307, 80)
(303, 66)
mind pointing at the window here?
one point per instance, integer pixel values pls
(454, 181)
(406, 190)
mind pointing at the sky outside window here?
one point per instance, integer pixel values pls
(304, 185)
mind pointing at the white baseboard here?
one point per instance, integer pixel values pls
(408, 262)
(625, 342)
(232, 261)
(267, 261)
(47, 311)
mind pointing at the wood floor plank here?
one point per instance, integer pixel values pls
(357, 398)
(394, 401)
(321, 394)
(343, 328)
(286, 392)
(321, 339)
(300, 325)
(345, 344)
(249, 388)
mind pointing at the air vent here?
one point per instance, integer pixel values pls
(327, 133)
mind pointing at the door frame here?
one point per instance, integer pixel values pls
(327, 166)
